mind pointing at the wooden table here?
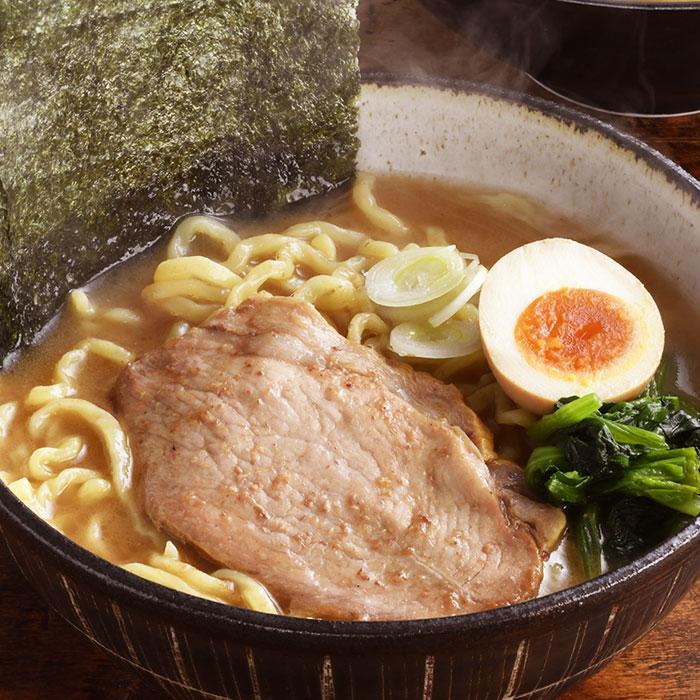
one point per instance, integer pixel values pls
(41, 657)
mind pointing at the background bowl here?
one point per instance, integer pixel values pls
(196, 648)
(624, 57)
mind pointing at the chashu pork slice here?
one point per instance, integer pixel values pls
(346, 484)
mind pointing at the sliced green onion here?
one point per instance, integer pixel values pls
(472, 287)
(420, 312)
(415, 276)
(454, 338)
(569, 414)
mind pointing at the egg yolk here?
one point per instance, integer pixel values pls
(575, 330)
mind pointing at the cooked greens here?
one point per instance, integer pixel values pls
(626, 473)
(118, 117)
(586, 531)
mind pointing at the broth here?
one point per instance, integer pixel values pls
(485, 222)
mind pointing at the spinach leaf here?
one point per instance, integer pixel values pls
(543, 462)
(590, 448)
(681, 429)
(568, 487)
(632, 465)
(631, 527)
(667, 416)
(586, 531)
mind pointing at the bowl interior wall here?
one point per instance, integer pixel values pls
(574, 170)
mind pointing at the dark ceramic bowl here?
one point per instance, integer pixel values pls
(197, 648)
(620, 56)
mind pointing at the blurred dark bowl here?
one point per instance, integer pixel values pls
(624, 57)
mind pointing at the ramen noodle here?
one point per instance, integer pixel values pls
(66, 454)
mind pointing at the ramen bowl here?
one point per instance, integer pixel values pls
(196, 648)
(623, 56)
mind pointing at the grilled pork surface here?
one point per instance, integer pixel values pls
(352, 487)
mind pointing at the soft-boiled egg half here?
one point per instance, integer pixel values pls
(559, 318)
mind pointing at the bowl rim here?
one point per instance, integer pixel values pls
(198, 613)
(652, 5)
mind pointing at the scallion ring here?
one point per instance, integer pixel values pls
(454, 338)
(415, 276)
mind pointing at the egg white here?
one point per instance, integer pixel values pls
(532, 270)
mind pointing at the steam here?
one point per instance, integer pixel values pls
(481, 41)
(615, 58)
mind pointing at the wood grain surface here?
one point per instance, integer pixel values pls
(41, 657)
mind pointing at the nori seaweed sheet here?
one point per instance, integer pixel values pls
(119, 116)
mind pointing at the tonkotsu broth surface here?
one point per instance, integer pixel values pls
(479, 221)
